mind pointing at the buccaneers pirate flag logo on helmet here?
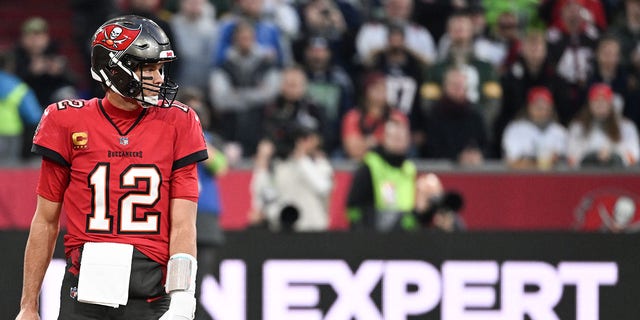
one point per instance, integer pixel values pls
(115, 37)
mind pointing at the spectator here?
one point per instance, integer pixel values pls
(87, 16)
(294, 196)
(241, 86)
(403, 71)
(531, 69)
(536, 140)
(150, 9)
(440, 206)
(292, 106)
(284, 15)
(627, 30)
(496, 43)
(476, 11)
(483, 89)
(267, 35)
(479, 32)
(526, 11)
(330, 86)
(383, 191)
(210, 236)
(19, 112)
(221, 7)
(600, 136)
(454, 128)
(592, 12)
(433, 15)
(607, 69)
(572, 44)
(40, 65)
(193, 25)
(363, 128)
(374, 35)
(371, 9)
(324, 19)
(502, 44)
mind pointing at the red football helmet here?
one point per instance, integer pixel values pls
(120, 47)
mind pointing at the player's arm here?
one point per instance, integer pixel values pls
(182, 238)
(182, 265)
(38, 252)
(183, 208)
(53, 180)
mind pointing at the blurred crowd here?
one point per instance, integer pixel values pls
(536, 83)
(294, 84)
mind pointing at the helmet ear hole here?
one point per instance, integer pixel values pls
(133, 88)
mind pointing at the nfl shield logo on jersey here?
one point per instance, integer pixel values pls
(124, 141)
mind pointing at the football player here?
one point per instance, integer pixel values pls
(124, 168)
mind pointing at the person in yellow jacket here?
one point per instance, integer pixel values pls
(384, 195)
(19, 111)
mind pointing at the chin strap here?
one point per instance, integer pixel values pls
(148, 101)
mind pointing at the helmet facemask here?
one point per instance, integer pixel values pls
(164, 94)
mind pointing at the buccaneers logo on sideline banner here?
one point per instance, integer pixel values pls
(608, 210)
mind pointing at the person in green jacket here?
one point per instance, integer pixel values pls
(383, 195)
(19, 111)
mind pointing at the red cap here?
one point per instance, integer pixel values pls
(540, 92)
(600, 90)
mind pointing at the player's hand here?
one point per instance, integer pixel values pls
(182, 307)
(28, 315)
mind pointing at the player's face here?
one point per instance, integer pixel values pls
(152, 74)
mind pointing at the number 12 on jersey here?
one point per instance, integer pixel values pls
(101, 221)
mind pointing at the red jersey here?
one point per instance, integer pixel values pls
(121, 166)
(353, 124)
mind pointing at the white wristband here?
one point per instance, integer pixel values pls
(181, 273)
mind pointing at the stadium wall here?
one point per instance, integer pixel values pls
(494, 200)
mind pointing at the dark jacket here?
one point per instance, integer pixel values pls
(451, 127)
